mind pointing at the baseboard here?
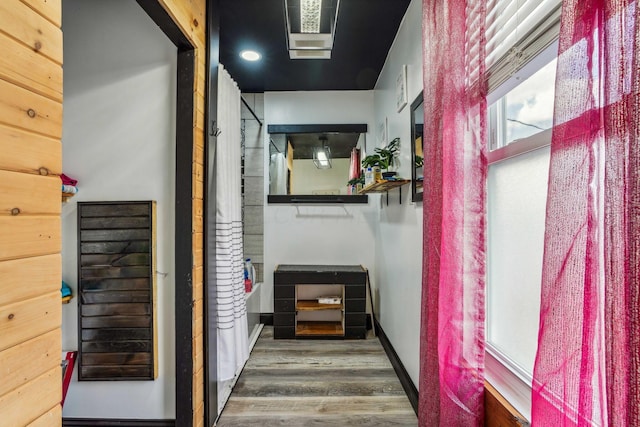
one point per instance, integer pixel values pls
(266, 319)
(113, 422)
(403, 375)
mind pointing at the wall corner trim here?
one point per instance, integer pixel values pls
(401, 372)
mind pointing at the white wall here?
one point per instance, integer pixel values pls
(317, 234)
(119, 142)
(398, 263)
(308, 179)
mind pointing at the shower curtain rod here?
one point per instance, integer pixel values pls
(250, 110)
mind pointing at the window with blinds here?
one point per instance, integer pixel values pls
(517, 31)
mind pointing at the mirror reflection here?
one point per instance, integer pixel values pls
(417, 143)
(313, 163)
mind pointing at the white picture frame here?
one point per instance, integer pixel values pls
(401, 89)
(382, 132)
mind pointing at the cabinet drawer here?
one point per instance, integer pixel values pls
(284, 291)
(354, 291)
(284, 305)
(355, 319)
(284, 319)
(355, 305)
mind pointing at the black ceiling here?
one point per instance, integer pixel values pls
(364, 33)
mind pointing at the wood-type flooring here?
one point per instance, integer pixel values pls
(317, 383)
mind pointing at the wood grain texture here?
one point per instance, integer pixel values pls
(317, 383)
(27, 194)
(25, 236)
(32, 29)
(28, 69)
(50, 9)
(27, 403)
(498, 412)
(30, 111)
(24, 362)
(29, 153)
(41, 273)
(117, 291)
(50, 418)
(24, 320)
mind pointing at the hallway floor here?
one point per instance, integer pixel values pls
(317, 383)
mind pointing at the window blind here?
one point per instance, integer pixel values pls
(516, 31)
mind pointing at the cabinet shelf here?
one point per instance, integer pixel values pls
(312, 328)
(67, 196)
(382, 186)
(310, 305)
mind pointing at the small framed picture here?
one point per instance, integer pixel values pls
(401, 89)
(382, 132)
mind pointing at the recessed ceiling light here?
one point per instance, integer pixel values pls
(250, 55)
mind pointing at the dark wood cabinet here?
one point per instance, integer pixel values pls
(297, 312)
(116, 278)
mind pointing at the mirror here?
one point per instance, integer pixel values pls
(417, 145)
(312, 163)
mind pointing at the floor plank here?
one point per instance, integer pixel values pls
(317, 383)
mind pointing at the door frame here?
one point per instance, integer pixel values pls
(184, 297)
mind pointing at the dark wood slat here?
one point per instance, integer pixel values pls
(116, 358)
(113, 272)
(116, 260)
(116, 334)
(115, 297)
(116, 284)
(116, 372)
(119, 209)
(117, 346)
(113, 235)
(116, 289)
(133, 309)
(102, 223)
(116, 322)
(115, 247)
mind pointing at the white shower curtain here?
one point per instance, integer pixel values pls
(233, 335)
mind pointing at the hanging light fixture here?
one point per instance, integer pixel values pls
(322, 155)
(311, 26)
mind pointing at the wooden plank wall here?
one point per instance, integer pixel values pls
(30, 235)
(190, 16)
(30, 204)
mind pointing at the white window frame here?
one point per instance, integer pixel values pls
(505, 375)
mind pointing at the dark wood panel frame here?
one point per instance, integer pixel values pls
(185, 112)
(117, 327)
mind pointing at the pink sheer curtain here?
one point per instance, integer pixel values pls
(354, 164)
(586, 370)
(452, 324)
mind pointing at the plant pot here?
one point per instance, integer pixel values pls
(387, 175)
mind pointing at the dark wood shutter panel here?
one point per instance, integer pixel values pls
(117, 291)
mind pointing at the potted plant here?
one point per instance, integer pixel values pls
(384, 158)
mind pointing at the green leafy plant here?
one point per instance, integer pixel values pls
(355, 181)
(419, 161)
(384, 157)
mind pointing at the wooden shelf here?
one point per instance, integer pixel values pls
(67, 196)
(382, 186)
(311, 305)
(308, 328)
